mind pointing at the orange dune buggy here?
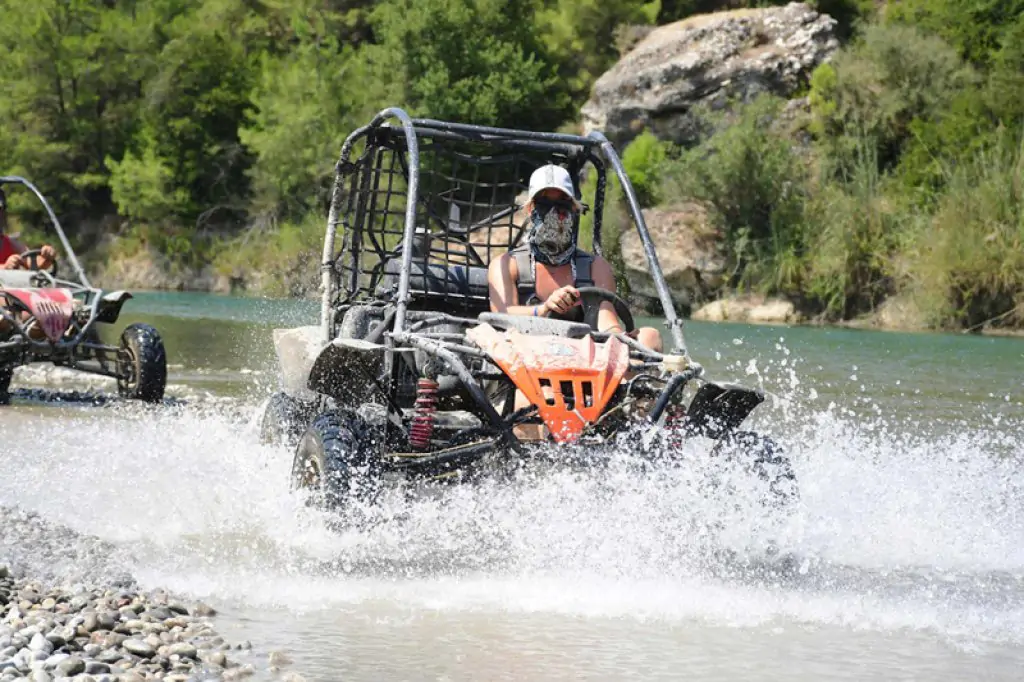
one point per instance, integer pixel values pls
(410, 373)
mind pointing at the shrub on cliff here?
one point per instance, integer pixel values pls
(755, 183)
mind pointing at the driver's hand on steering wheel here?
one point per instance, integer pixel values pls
(13, 262)
(47, 255)
(561, 300)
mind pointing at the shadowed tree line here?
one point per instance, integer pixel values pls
(206, 131)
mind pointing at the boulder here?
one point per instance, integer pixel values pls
(751, 309)
(689, 252)
(708, 60)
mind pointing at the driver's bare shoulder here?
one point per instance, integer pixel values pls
(601, 271)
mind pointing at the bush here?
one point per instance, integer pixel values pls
(755, 184)
(644, 160)
(970, 260)
(276, 260)
(855, 229)
(893, 77)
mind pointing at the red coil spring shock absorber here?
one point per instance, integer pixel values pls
(423, 423)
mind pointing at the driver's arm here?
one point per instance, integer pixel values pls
(604, 278)
(14, 262)
(501, 284)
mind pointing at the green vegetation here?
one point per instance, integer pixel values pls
(206, 131)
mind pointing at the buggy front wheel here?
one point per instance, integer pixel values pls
(142, 365)
(765, 459)
(336, 462)
(283, 419)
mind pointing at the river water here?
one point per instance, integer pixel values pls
(904, 558)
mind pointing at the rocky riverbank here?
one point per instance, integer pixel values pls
(68, 612)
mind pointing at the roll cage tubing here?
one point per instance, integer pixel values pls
(483, 133)
(18, 180)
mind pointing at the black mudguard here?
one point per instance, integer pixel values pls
(717, 409)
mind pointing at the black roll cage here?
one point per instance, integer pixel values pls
(594, 147)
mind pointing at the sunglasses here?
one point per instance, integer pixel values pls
(545, 204)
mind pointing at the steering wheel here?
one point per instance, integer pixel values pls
(32, 256)
(592, 297)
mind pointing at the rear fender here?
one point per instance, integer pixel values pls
(109, 308)
(346, 370)
(717, 409)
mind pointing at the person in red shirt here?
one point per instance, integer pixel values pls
(11, 249)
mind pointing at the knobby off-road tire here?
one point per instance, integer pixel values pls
(6, 374)
(284, 419)
(763, 457)
(142, 364)
(337, 461)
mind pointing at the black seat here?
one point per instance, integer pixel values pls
(464, 286)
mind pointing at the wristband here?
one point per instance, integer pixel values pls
(535, 311)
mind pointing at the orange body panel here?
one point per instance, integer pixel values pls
(569, 380)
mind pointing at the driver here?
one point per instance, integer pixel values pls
(11, 249)
(541, 277)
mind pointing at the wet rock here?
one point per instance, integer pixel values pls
(91, 623)
(40, 643)
(279, 658)
(238, 673)
(97, 626)
(751, 309)
(71, 667)
(182, 649)
(159, 613)
(217, 658)
(139, 648)
(55, 660)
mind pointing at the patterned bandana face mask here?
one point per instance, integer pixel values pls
(551, 234)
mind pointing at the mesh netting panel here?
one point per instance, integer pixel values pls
(469, 211)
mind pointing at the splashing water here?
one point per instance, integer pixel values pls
(901, 524)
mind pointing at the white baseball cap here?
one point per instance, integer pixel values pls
(553, 177)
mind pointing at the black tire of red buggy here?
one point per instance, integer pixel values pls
(6, 374)
(765, 458)
(336, 460)
(143, 350)
(284, 419)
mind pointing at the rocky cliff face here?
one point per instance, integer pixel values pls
(708, 60)
(689, 254)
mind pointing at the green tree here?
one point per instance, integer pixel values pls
(579, 37)
(891, 78)
(977, 29)
(71, 78)
(193, 106)
(475, 61)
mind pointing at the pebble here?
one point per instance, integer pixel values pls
(279, 658)
(139, 648)
(70, 667)
(91, 623)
